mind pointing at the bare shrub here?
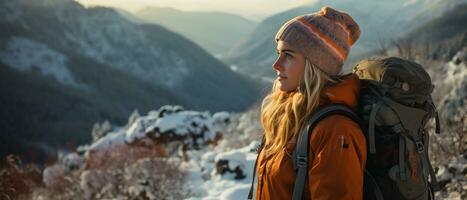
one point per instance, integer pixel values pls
(132, 173)
(16, 180)
(121, 155)
(243, 129)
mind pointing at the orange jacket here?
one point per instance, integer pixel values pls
(337, 155)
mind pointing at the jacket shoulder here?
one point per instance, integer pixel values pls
(334, 126)
(337, 123)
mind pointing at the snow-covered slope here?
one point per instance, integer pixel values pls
(454, 103)
(195, 146)
(149, 52)
(24, 54)
(64, 67)
(449, 147)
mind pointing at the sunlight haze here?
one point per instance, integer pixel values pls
(252, 9)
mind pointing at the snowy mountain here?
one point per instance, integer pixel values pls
(443, 27)
(380, 21)
(149, 52)
(65, 67)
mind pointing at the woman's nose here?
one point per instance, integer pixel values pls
(277, 65)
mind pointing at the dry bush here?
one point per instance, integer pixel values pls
(129, 173)
(16, 180)
(405, 48)
(121, 155)
(244, 128)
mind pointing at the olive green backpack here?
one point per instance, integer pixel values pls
(395, 105)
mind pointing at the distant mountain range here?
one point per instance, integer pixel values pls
(64, 67)
(216, 32)
(379, 21)
(443, 27)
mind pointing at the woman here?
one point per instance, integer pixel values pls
(311, 51)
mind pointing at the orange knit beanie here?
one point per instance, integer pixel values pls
(324, 38)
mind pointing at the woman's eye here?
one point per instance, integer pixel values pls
(286, 54)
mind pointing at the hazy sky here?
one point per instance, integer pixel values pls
(253, 9)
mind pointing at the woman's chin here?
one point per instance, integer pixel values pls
(284, 88)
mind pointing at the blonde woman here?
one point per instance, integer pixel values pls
(311, 51)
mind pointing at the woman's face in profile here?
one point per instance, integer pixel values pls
(289, 66)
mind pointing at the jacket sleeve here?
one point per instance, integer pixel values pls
(338, 156)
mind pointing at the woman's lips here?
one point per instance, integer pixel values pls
(281, 77)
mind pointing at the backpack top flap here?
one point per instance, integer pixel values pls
(405, 81)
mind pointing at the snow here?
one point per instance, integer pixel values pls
(195, 129)
(236, 192)
(73, 161)
(451, 83)
(254, 146)
(453, 175)
(459, 164)
(456, 77)
(221, 116)
(53, 174)
(107, 142)
(141, 56)
(234, 68)
(211, 173)
(136, 131)
(235, 158)
(26, 54)
(100, 130)
(92, 181)
(185, 122)
(443, 174)
(409, 2)
(224, 186)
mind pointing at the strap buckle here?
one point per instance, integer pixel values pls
(302, 161)
(420, 147)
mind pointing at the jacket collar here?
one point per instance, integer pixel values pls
(344, 92)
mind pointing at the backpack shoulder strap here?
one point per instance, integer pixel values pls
(260, 147)
(300, 156)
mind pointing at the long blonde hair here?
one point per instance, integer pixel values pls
(284, 114)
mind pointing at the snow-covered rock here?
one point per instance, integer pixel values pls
(53, 175)
(454, 104)
(226, 185)
(93, 181)
(443, 174)
(453, 178)
(73, 161)
(100, 130)
(171, 126)
(231, 162)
